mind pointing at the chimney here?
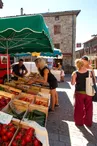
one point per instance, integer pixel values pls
(1, 4)
(21, 11)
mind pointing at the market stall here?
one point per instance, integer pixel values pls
(23, 108)
(24, 34)
(30, 110)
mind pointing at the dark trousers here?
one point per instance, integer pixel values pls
(83, 110)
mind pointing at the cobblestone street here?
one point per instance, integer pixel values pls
(61, 128)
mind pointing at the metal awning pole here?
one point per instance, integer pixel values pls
(7, 62)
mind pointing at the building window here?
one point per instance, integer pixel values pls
(57, 46)
(57, 29)
(56, 18)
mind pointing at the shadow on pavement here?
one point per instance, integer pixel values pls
(64, 85)
(89, 134)
(58, 132)
(56, 125)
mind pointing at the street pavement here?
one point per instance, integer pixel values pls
(60, 125)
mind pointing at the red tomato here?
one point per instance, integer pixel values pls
(28, 138)
(22, 131)
(9, 135)
(18, 137)
(12, 129)
(36, 142)
(30, 131)
(14, 143)
(5, 143)
(4, 131)
(10, 124)
(23, 142)
(4, 138)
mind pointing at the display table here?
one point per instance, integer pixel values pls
(57, 74)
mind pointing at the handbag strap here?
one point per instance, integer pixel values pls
(93, 79)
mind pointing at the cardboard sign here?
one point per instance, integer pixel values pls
(5, 118)
(3, 59)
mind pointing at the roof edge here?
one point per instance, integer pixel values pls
(61, 13)
(90, 40)
(48, 14)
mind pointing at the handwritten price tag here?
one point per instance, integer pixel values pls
(5, 118)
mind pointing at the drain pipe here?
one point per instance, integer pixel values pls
(73, 40)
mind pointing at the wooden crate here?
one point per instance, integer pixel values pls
(16, 122)
(28, 96)
(4, 86)
(39, 100)
(14, 90)
(6, 94)
(10, 89)
(39, 108)
(45, 90)
(7, 103)
(35, 88)
(32, 91)
(20, 106)
(24, 125)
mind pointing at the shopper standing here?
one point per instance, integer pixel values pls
(83, 103)
(48, 77)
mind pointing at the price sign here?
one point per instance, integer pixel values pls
(5, 118)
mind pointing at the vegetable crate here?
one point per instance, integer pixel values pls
(4, 101)
(23, 87)
(45, 95)
(6, 94)
(10, 89)
(24, 97)
(11, 84)
(7, 132)
(16, 108)
(39, 100)
(34, 89)
(25, 135)
(45, 90)
(36, 113)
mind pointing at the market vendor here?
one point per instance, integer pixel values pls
(19, 70)
(48, 77)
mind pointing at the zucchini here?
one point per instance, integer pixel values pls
(38, 113)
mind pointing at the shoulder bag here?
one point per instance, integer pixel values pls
(95, 88)
(89, 85)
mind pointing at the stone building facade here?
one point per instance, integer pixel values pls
(62, 27)
(89, 49)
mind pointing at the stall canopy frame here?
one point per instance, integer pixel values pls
(24, 34)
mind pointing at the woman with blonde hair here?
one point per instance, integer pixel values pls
(48, 77)
(83, 103)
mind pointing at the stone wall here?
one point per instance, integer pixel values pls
(67, 36)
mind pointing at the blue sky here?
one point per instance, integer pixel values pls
(86, 20)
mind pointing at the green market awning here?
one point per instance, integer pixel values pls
(56, 53)
(24, 34)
